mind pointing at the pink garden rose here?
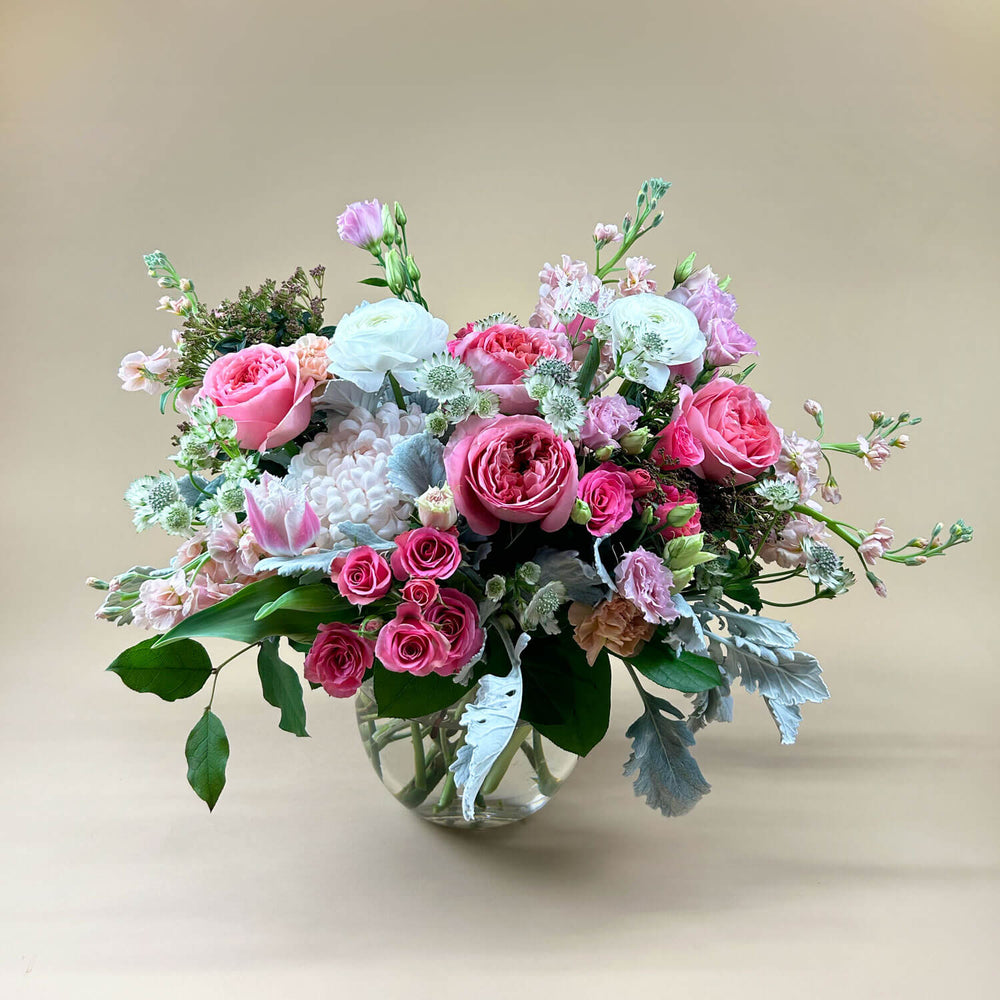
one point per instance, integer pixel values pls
(362, 575)
(511, 468)
(673, 497)
(427, 552)
(411, 644)
(501, 354)
(642, 578)
(262, 389)
(730, 423)
(675, 446)
(457, 616)
(339, 659)
(609, 418)
(421, 591)
(609, 493)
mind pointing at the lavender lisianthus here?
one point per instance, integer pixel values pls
(700, 292)
(608, 419)
(642, 578)
(727, 343)
(361, 224)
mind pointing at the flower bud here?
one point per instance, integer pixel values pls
(812, 407)
(388, 227)
(436, 508)
(902, 441)
(92, 581)
(603, 454)
(187, 285)
(397, 211)
(165, 283)
(370, 626)
(648, 517)
(681, 578)
(581, 512)
(395, 273)
(634, 442)
(877, 416)
(411, 268)
(678, 516)
(683, 270)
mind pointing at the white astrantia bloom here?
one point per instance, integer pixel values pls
(381, 337)
(444, 377)
(651, 331)
(562, 407)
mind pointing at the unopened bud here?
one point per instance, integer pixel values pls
(916, 560)
(395, 273)
(411, 268)
(681, 514)
(658, 219)
(901, 442)
(92, 581)
(648, 517)
(633, 442)
(812, 407)
(436, 508)
(186, 284)
(397, 211)
(683, 270)
(165, 282)
(877, 416)
(603, 454)
(371, 626)
(920, 543)
(581, 512)
(388, 227)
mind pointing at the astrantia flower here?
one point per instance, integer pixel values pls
(564, 410)
(825, 568)
(149, 497)
(345, 472)
(781, 494)
(444, 377)
(542, 608)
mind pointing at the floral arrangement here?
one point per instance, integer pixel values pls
(492, 519)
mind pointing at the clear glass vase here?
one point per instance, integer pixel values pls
(411, 758)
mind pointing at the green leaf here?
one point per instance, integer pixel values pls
(403, 696)
(743, 592)
(207, 751)
(565, 698)
(233, 618)
(316, 597)
(177, 672)
(282, 689)
(377, 282)
(681, 671)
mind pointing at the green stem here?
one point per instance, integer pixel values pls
(216, 671)
(503, 762)
(419, 759)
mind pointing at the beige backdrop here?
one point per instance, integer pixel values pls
(840, 160)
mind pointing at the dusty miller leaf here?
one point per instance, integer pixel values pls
(580, 580)
(786, 676)
(714, 705)
(361, 534)
(786, 718)
(298, 565)
(416, 464)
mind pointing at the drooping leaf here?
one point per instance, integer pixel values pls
(299, 565)
(665, 772)
(282, 688)
(404, 696)
(362, 534)
(715, 705)
(679, 670)
(320, 598)
(207, 752)
(489, 723)
(176, 672)
(416, 464)
(786, 718)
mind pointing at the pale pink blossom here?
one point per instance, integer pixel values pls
(785, 547)
(163, 603)
(281, 518)
(233, 549)
(636, 278)
(642, 578)
(830, 492)
(146, 372)
(876, 544)
(873, 453)
(799, 460)
(606, 232)
(571, 278)
(361, 224)
(313, 361)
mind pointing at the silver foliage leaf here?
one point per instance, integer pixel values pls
(786, 718)
(489, 722)
(580, 580)
(665, 772)
(361, 534)
(766, 632)
(687, 632)
(599, 565)
(416, 464)
(714, 705)
(787, 676)
(340, 397)
(313, 562)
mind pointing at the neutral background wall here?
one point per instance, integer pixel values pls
(840, 160)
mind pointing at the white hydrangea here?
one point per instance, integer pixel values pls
(344, 471)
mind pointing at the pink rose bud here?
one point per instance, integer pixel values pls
(283, 522)
(436, 507)
(421, 591)
(362, 575)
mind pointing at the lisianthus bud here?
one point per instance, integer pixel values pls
(400, 215)
(581, 512)
(680, 515)
(388, 227)
(395, 272)
(603, 454)
(683, 270)
(634, 442)
(436, 508)
(411, 268)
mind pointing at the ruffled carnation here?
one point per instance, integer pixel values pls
(616, 625)
(644, 580)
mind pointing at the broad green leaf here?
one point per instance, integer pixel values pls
(233, 618)
(207, 752)
(177, 672)
(681, 671)
(282, 688)
(403, 696)
(316, 597)
(743, 592)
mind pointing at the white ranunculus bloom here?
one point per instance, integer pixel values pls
(655, 332)
(380, 337)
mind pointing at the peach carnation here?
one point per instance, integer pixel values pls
(617, 625)
(313, 362)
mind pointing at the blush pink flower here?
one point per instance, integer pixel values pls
(874, 453)
(411, 644)
(785, 546)
(436, 507)
(608, 419)
(311, 351)
(799, 460)
(163, 603)
(511, 468)
(501, 354)
(569, 280)
(609, 493)
(146, 372)
(642, 579)
(338, 659)
(361, 224)
(676, 447)
(426, 552)
(263, 391)
(281, 518)
(606, 232)
(702, 295)
(727, 342)
(636, 278)
(457, 616)
(421, 591)
(673, 497)
(730, 423)
(616, 625)
(234, 549)
(876, 544)
(362, 575)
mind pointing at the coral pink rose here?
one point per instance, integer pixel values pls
(262, 389)
(675, 448)
(362, 575)
(514, 469)
(642, 482)
(421, 591)
(339, 659)
(609, 493)
(428, 552)
(501, 354)
(730, 422)
(410, 644)
(457, 616)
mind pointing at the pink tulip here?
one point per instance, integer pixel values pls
(282, 520)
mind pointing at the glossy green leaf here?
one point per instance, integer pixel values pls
(316, 597)
(404, 696)
(176, 672)
(680, 671)
(207, 752)
(282, 688)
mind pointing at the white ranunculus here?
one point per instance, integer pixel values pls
(387, 336)
(653, 331)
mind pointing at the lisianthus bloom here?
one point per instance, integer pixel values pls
(362, 575)
(361, 224)
(609, 418)
(145, 372)
(427, 552)
(436, 507)
(876, 544)
(642, 578)
(381, 337)
(338, 660)
(457, 616)
(608, 492)
(263, 391)
(411, 644)
(500, 355)
(282, 520)
(511, 468)
(617, 625)
(701, 294)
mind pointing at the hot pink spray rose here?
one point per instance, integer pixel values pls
(730, 422)
(421, 591)
(513, 468)
(262, 389)
(427, 552)
(338, 659)
(457, 616)
(609, 493)
(501, 354)
(362, 575)
(675, 446)
(411, 644)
